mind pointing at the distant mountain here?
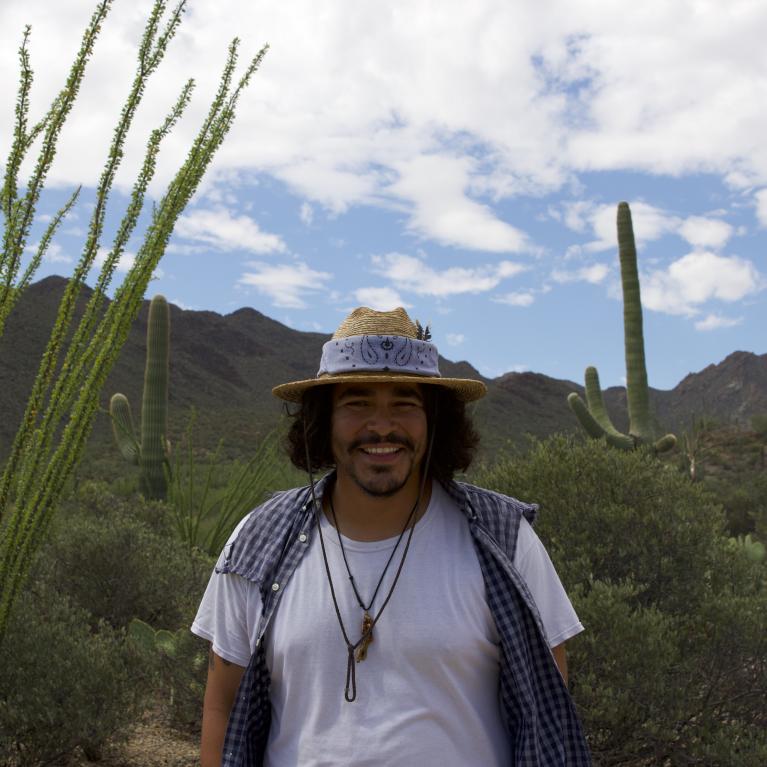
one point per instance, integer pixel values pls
(225, 367)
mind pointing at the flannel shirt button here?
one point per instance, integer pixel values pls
(275, 587)
(302, 537)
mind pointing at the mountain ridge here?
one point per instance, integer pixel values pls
(225, 365)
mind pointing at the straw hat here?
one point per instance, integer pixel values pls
(380, 347)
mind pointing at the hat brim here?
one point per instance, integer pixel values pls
(466, 389)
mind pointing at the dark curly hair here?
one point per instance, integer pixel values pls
(455, 439)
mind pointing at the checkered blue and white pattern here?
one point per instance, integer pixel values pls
(538, 711)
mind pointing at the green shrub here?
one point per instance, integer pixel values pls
(181, 661)
(744, 499)
(119, 559)
(63, 685)
(671, 668)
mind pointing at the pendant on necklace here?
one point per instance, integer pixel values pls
(367, 637)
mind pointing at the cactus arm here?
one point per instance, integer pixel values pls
(154, 406)
(594, 429)
(596, 403)
(584, 415)
(594, 417)
(664, 443)
(122, 427)
(637, 390)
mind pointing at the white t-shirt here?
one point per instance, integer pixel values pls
(427, 693)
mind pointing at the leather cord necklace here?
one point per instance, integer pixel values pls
(350, 688)
(367, 620)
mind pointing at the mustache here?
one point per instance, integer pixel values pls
(377, 439)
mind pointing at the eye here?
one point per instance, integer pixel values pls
(356, 404)
(407, 405)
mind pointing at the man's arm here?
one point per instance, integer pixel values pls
(223, 681)
(560, 658)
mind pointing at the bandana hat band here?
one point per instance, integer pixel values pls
(380, 347)
(379, 353)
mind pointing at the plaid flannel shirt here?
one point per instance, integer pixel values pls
(537, 710)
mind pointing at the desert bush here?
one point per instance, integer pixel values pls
(672, 667)
(64, 684)
(118, 559)
(180, 660)
(744, 499)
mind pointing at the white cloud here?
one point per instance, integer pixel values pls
(593, 274)
(125, 262)
(455, 339)
(306, 214)
(542, 95)
(649, 223)
(715, 321)
(761, 206)
(437, 186)
(578, 214)
(219, 229)
(703, 232)
(697, 278)
(55, 254)
(285, 284)
(381, 299)
(515, 299)
(412, 274)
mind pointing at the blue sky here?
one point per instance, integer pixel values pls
(461, 159)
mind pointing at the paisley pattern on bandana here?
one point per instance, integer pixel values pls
(377, 354)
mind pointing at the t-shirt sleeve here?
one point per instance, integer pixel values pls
(228, 616)
(560, 621)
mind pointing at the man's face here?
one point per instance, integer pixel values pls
(379, 435)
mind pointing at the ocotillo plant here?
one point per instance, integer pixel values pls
(594, 417)
(150, 453)
(65, 395)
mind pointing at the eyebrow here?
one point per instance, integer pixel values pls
(365, 391)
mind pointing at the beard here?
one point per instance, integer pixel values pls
(379, 481)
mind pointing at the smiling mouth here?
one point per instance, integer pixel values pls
(380, 450)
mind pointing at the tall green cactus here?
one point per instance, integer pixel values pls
(151, 453)
(593, 416)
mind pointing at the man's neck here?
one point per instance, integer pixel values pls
(364, 517)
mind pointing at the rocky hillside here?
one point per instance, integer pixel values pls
(225, 366)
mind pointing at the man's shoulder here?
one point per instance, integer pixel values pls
(261, 531)
(274, 511)
(486, 503)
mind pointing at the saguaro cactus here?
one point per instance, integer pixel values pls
(151, 452)
(593, 417)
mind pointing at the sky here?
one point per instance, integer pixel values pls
(463, 160)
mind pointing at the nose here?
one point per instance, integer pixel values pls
(381, 420)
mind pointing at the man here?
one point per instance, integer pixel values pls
(386, 614)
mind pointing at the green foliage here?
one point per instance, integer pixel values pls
(671, 668)
(152, 451)
(593, 416)
(209, 498)
(759, 424)
(111, 565)
(64, 397)
(181, 661)
(744, 498)
(63, 684)
(110, 559)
